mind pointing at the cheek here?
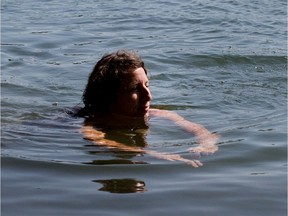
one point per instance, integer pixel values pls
(134, 97)
(132, 100)
(128, 102)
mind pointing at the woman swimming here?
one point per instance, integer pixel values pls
(117, 96)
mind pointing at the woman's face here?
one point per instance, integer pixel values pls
(134, 95)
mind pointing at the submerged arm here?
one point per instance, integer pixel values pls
(98, 138)
(206, 140)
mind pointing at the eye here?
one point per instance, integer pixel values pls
(133, 89)
(137, 88)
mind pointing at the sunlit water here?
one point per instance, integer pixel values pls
(219, 63)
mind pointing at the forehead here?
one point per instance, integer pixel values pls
(137, 76)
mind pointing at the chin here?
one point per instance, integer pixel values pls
(142, 114)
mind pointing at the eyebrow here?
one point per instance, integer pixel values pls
(136, 82)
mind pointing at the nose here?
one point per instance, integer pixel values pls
(147, 93)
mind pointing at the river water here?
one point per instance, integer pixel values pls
(219, 63)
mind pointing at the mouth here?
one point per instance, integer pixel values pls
(144, 109)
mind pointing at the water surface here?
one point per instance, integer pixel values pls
(220, 63)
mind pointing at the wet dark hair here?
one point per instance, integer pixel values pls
(105, 80)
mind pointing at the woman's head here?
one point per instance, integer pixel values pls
(110, 79)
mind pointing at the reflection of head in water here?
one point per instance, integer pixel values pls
(118, 84)
(122, 185)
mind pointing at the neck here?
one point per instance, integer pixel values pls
(121, 120)
(114, 120)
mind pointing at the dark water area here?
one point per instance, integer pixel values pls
(222, 64)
